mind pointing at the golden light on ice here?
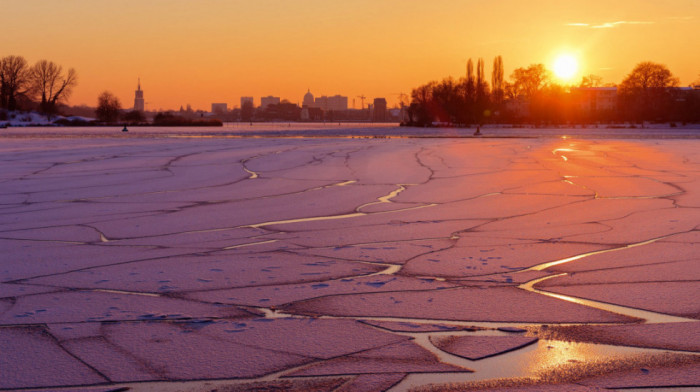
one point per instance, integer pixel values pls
(565, 67)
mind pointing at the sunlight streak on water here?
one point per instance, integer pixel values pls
(253, 174)
(249, 244)
(649, 317)
(526, 362)
(544, 266)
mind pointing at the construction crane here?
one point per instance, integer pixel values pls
(362, 99)
(403, 99)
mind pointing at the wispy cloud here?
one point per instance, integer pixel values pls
(610, 25)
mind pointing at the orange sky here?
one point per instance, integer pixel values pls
(205, 51)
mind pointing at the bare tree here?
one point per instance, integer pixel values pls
(645, 91)
(529, 81)
(591, 81)
(108, 107)
(497, 80)
(648, 75)
(49, 82)
(14, 78)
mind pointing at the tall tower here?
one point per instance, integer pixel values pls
(139, 103)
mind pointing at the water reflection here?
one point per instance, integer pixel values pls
(531, 362)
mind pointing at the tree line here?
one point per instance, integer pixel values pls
(23, 85)
(648, 93)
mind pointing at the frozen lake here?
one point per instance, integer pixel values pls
(194, 259)
(663, 131)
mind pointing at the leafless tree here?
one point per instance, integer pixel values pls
(52, 84)
(648, 75)
(108, 107)
(645, 92)
(529, 81)
(591, 81)
(14, 80)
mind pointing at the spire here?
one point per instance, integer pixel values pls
(139, 86)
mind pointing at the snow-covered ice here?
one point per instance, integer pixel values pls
(346, 264)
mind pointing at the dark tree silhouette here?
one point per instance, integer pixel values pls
(51, 84)
(134, 117)
(108, 107)
(470, 83)
(14, 80)
(645, 93)
(422, 98)
(497, 80)
(648, 75)
(482, 92)
(591, 81)
(529, 81)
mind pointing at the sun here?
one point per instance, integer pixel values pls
(565, 67)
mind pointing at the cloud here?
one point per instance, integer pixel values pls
(609, 25)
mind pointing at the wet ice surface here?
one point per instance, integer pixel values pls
(164, 263)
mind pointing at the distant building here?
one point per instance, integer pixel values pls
(139, 103)
(219, 108)
(269, 100)
(308, 100)
(247, 99)
(337, 103)
(379, 113)
(321, 103)
(592, 100)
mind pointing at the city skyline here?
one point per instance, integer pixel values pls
(217, 51)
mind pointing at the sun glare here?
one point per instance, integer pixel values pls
(565, 67)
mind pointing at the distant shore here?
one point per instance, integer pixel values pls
(356, 130)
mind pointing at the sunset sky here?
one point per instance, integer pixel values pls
(199, 52)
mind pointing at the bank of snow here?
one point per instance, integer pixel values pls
(30, 119)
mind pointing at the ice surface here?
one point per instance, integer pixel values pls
(405, 357)
(506, 304)
(677, 298)
(182, 352)
(408, 326)
(31, 358)
(672, 336)
(371, 382)
(679, 376)
(275, 295)
(284, 262)
(315, 338)
(194, 273)
(478, 347)
(76, 306)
